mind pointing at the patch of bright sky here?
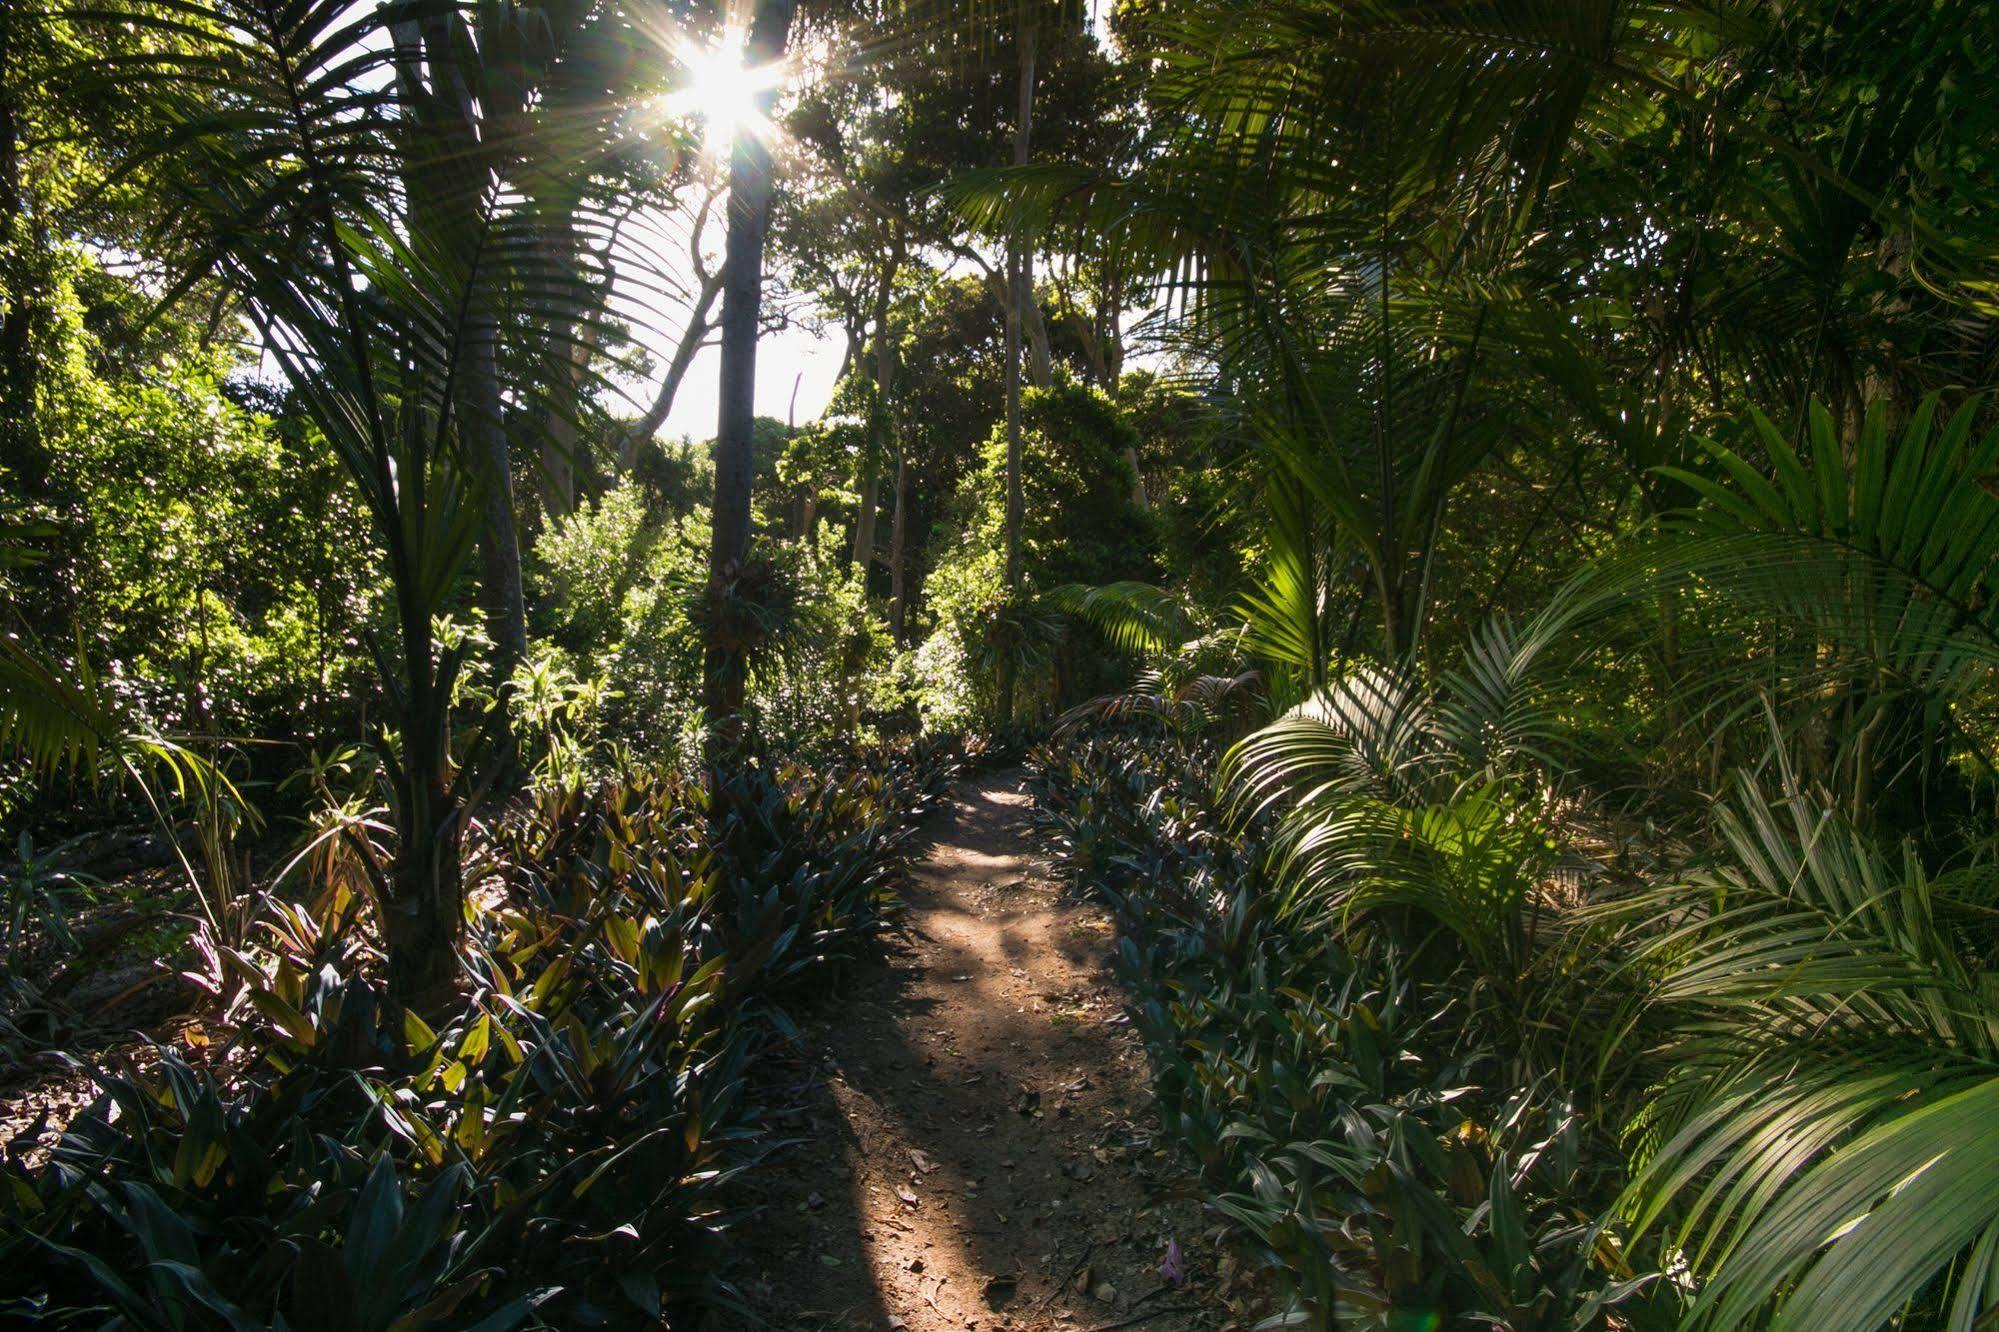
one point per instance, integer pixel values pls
(798, 365)
(794, 358)
(653, 294)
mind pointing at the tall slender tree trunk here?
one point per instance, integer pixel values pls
(866, 507)
(1394, 593)
(1014, 502)
(1040, 360)
(449, 185)
(880, 425)
(425, 909)
(742, 295)
(1106, 347)
(798, 506)
(1019, 292)
(481, 412)
(21, 451)
(482, 424)
(898, 551)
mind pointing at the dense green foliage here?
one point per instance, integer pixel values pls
(1487, 509)
(364, 1166)
(1371, 1147)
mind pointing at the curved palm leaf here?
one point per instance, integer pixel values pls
(378, 186)
(1869, 566)
(1134, 617)
(1822, 1130)
(1391, 790)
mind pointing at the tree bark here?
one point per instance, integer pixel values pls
(1014, 503)
(423, 907)
(742, 297)
(898, 551)
(866, 506)
(1019, 293)
(21, 450)
(1040, 361)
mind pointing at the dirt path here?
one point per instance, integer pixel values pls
(979, 1149)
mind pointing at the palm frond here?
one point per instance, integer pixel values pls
(1865, 566)
(53, 722)
(1133, 617)
(1815, 1127)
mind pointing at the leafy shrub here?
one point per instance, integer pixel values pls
(624, 595)
(549, 1149)
(1813, 1033)
(1082, 525)
(1369, 1151)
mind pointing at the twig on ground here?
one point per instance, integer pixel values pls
(1063, 1284)
(1147, 1317)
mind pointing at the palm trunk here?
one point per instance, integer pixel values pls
(481, 425)
(742, 296)
(425, 903)
(1019, 292)
(481, 420)
(422, 902)
(898, 552)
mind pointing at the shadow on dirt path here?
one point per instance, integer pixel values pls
(978, 1145)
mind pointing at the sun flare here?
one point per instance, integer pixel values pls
(720, 91)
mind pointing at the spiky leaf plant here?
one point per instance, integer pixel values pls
(1818, 1146)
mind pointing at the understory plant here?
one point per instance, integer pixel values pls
(547, 1148)
(1363, 1132)
(1816, 1016)
(1789, 1018)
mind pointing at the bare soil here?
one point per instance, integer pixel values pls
(977, 1147)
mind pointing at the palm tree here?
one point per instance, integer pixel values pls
(742, 297)
(1329, 197)
(361, 223)
(1815, 1011)
(1821, 1126)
